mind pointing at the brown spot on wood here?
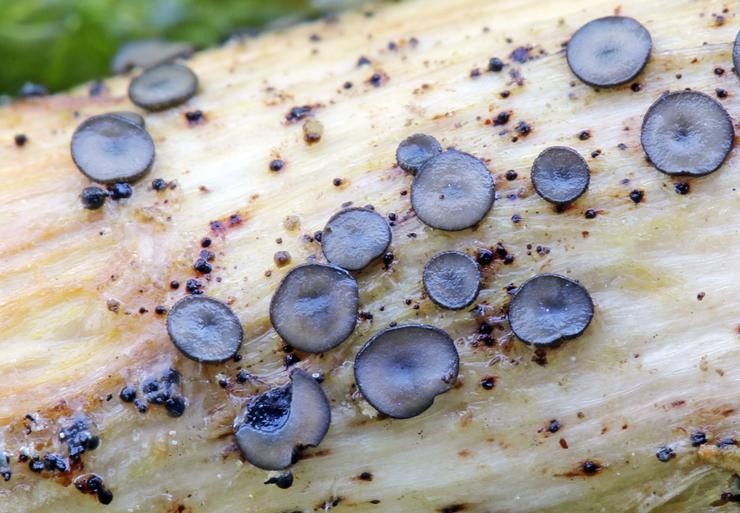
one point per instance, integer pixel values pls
(466, 418)
(678, 404)
(453, 508)
(313, 129)
(464, 453)
(310, 453)
(179, 508)
(563, 443)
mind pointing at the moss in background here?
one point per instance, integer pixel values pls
(61, 43)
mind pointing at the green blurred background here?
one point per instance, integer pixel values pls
(61, 43)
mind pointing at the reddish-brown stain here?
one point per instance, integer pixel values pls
(453, 508)
(308, 454)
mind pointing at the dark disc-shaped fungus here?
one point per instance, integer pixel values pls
(687, 133)
(452, 279)
(736, 54)
(549, 308)
(109, 149)
(133, 117)
(276, 424)
(204, 329)
(415, 150)
(315, 307)
(147, 52)
(354, 237)
(402, 369)
(163, 86)
(609, 51)
(560, 175)
(452, 191)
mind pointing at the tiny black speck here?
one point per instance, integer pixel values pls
(589, 467)
(664, 454)
(637, 195)
(590, 213)
(698, 438)
(523, 128)
(495, 64)
(291, 359)
(158, 184)
(120, 191)
(36, 465)
(105, 496)
(194, 116)
(202, 266)
(21, 139)
(682, 187)
(488, 383)
(584, 135)
(485, 256)
(387, 260)
(193, 286)
(127, 394)
(282, 481)
(501, 118)
(721, 93)
(554, 426)
(636, 87)
(93, 197)
(175, 406)
(276, 165)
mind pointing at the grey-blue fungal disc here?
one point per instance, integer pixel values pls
(736, 54)
(204, 329)
(133, 117)
(609, 51)
(315, 307)
(560, 175)
(415, 150)
(687, 133)
(279, 422)
(354, 237)
(163, 86)
(109, 149)
(452, 191)
(452, 279)
(549, 308)
(147, 52)
(401, 370)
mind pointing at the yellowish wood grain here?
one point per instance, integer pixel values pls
(655, 364)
